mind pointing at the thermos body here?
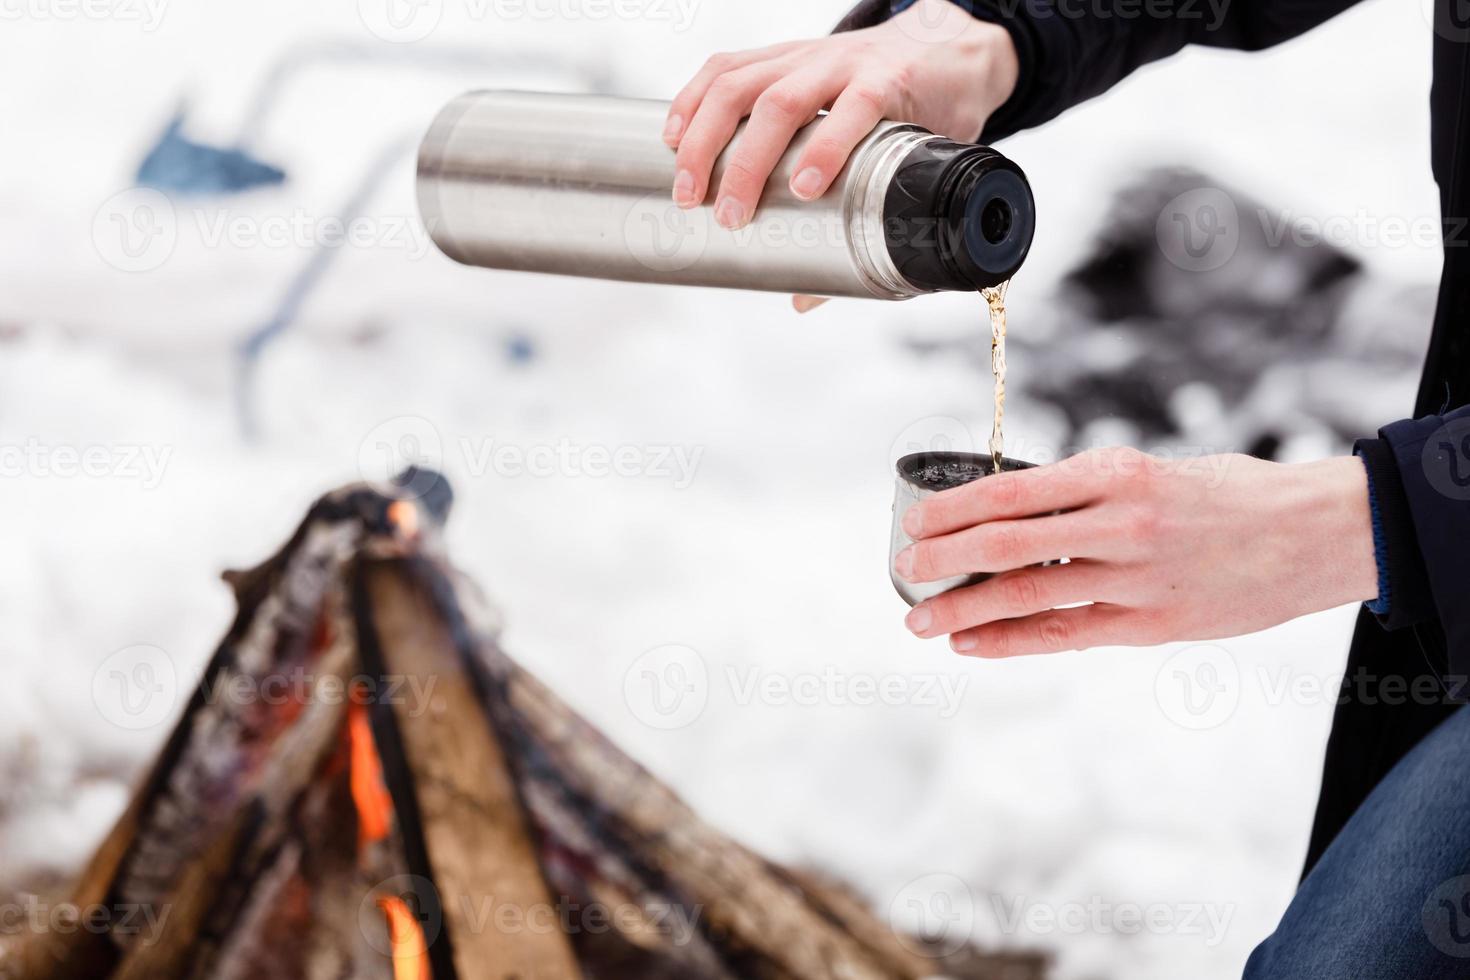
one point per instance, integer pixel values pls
(581, 185)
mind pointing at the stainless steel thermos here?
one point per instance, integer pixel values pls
(581, 185)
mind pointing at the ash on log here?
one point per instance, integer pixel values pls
(345, 831)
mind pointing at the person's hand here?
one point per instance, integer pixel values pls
(934, 65)
(1194, 549)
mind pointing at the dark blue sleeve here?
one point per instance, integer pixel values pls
(1419, 470)
(1072, 50)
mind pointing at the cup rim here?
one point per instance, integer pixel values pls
(909, 467)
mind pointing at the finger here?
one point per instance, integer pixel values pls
(686, 102)
(1049, 632)
(858, 108)
(1000, 546)
(1011, 595)
(1003, 496)
(803, 303)
(729, 98)
(779, 112)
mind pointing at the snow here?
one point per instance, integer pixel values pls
(749, 532)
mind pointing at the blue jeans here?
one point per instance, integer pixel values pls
(1390, 897)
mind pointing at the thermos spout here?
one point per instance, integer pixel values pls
(581, 185)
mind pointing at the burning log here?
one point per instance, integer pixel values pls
(480, 829)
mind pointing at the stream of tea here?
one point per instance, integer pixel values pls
(995, 300)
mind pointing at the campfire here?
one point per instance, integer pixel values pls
(409, 804)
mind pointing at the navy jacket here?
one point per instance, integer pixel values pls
(1408, 666)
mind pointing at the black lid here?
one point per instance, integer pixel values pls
(958, 216)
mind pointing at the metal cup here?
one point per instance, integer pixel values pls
(922, 475)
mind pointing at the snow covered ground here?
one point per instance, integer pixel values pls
(720, 606)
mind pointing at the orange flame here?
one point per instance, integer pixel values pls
(410, 954)
(369, 793)
(403, 516)
(374, 822)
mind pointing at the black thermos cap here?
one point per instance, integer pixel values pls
(958, 216)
